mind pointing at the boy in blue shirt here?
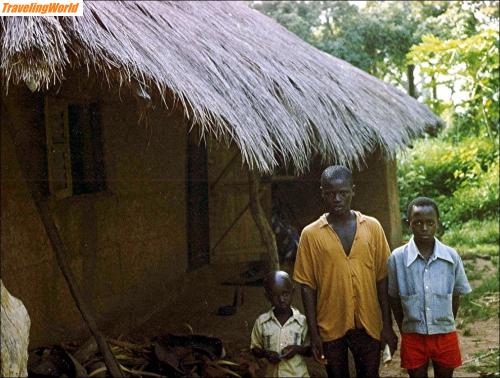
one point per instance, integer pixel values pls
(426, 279)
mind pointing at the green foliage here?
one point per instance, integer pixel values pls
(462, 178)
(472, 273)
(474, 237)
(375, 38)
(378, 36)
(469, 66)
(299, 17)
(482, 303)
(477, 197)
(459, 169)
(485, 363)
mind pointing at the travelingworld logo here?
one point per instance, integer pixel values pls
(41, 8)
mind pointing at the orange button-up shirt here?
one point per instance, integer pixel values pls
(346, 286)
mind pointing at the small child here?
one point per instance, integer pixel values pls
(426, 278)
(280, 335)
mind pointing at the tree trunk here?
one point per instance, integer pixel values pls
(434, 88)
(411, 80)
(259, 216)
(15, 336)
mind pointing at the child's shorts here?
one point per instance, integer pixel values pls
(418, 349)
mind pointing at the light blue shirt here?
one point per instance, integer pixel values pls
(426, 287)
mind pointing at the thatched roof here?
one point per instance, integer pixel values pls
(237, 72)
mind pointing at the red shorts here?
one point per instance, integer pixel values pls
(418, 349)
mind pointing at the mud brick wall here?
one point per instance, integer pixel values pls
(127, 244)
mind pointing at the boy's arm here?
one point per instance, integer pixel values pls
(256, 345)
(397, 310)
(271, 356)
(306, 351)
(258, 352)
(455, 303)
(292, 350)
(303, 349)
(462, 286)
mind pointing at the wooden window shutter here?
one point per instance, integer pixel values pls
(58, 152)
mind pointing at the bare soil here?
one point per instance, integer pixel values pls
(205, 293)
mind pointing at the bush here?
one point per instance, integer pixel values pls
(476, 198)
(462, 178)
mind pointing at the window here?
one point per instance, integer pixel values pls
(74, 148)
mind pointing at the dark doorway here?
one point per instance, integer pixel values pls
(197, 193)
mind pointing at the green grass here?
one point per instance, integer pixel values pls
(474, 237)
(485, 363)
(482, 303)
(466, 250)
(467, 332)
(494, 261)
(471, 270)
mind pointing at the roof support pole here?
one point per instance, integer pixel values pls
(259, 216)
(61, 253)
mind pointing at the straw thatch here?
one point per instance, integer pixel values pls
(238, 73)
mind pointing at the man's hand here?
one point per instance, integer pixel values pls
(317, 349)
(309, 300)
(272, 357)
(389, 337)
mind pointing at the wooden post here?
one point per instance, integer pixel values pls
(259, 216)
(61, 253)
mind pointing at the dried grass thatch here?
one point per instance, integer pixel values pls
(238, 73)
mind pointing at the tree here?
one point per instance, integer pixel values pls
(469, 68)
(377, 37)
(299, 17)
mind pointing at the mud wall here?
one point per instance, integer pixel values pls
(127, 244)
(376, 194)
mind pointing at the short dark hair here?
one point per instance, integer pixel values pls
(421, 201)
(335, 172)
(273, 276)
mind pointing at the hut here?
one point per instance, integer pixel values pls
(137, 123)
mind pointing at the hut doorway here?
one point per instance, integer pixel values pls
(197, 198)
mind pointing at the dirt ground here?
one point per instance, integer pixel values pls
(205, 293)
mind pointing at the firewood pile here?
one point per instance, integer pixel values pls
(164, 356)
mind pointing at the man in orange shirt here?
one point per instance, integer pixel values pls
(341, 266)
